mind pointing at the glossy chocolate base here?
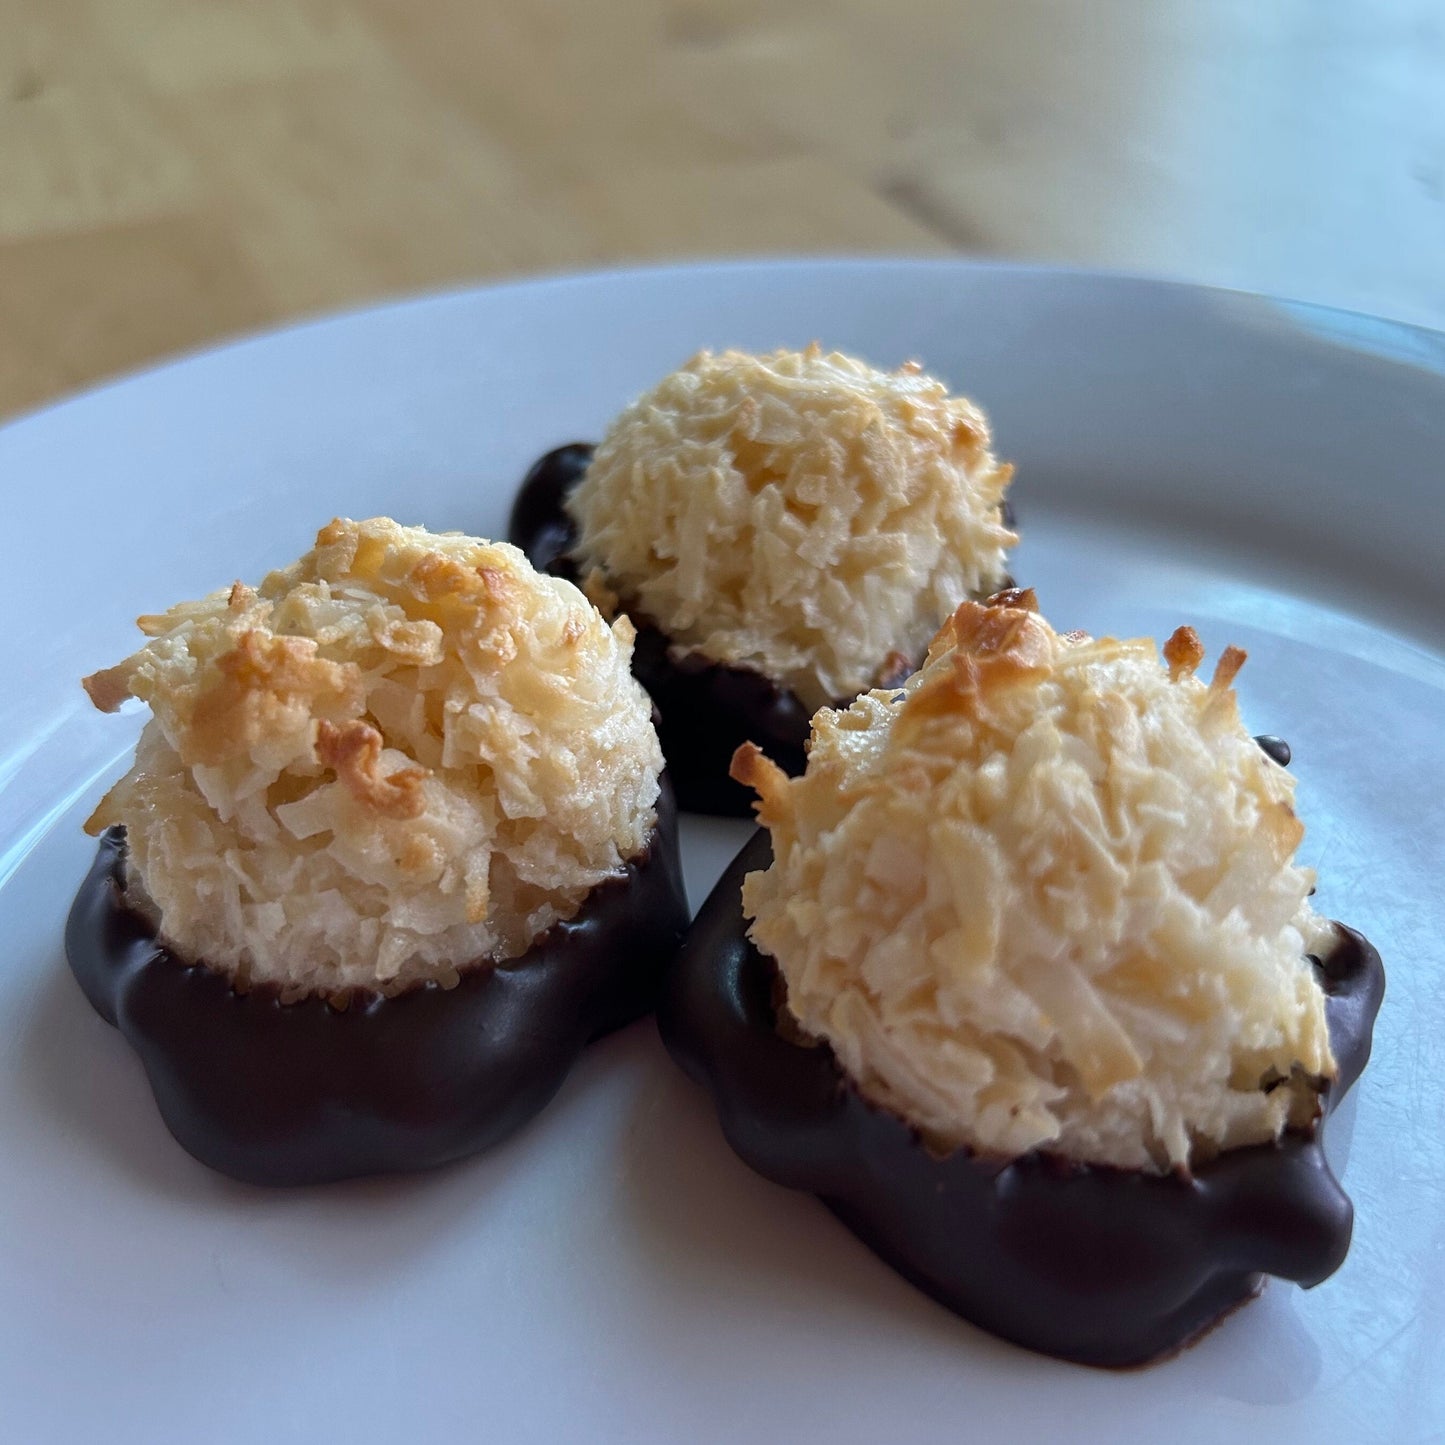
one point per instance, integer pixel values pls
(1098, 1265)
(706, 710)
(304, 1092)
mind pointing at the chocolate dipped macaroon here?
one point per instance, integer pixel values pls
(395, 846)
(1022, 978)
(785, 531)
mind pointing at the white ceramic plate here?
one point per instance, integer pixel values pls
(1270, 473)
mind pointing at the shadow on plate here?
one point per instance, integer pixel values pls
(89, 1090)
(736, 1247)
(1263, 1354)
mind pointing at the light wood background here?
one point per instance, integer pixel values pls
(173, 170)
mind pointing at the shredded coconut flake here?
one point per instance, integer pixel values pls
(798, 514)
(405, 753)
(1045, 898)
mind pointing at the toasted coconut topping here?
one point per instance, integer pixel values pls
(1183, 652)
(1045, 898)
(353, 752)
(405, 753)
(799, 514)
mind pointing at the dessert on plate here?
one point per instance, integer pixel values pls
(395, 845)
(1022, 977)
(785, 530)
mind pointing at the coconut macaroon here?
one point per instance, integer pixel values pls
(1044, 897)
(801, 515)
(404, 754)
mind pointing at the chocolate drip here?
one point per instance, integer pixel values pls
(1094, 1264)
(305, 1092)
(1275, 748)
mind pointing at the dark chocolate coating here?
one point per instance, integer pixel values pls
(1099, 1265)
(706, 710)
(302, 1093)
(539, 523)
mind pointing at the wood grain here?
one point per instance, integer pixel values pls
(174, 170)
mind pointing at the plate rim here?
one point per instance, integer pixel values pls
(1424, 338)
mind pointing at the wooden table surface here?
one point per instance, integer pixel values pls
(174, 170)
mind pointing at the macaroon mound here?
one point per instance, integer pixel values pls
(801, 515)
(404, 754)
(1044, 897)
